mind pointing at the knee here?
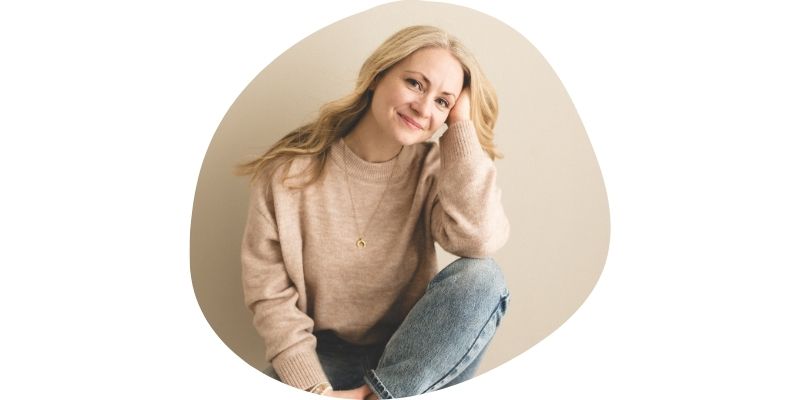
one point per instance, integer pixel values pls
(479, 277)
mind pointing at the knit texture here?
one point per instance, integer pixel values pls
(302, 271)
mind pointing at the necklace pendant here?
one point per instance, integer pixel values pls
(360, 243)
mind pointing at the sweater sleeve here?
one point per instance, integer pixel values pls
(273, 298)
(467, 217)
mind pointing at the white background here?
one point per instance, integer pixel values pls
(692, 108)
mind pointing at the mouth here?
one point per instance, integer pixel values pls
(410, 122)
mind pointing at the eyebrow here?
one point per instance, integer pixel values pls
(428, 82)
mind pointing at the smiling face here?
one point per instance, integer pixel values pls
(413, 98)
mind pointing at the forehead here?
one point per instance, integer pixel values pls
(438, 65)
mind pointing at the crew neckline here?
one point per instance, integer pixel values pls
(368, 171)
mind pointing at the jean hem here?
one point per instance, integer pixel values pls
(377, 387)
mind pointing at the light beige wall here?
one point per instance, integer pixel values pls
(553, 191)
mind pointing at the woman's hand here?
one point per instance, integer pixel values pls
(360, 393)
(460, 110)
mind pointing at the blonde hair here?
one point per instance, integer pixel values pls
(337, 118)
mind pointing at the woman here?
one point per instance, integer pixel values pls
(339, 265)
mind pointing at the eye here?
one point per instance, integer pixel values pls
(414, 83)
(442, 102)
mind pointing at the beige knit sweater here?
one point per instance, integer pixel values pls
(302, 271)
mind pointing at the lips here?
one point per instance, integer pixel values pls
(410, 121)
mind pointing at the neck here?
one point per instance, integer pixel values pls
(370, 146)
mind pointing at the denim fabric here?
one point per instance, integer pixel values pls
(439, 344)
(442, 339)
(345, 364)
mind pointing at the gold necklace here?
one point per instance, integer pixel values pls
(361, 243)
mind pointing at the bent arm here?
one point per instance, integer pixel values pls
(467, 217)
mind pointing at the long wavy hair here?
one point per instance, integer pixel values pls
(337, 118)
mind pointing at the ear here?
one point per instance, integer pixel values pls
(375, 81)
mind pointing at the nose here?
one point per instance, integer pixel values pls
(423, 106)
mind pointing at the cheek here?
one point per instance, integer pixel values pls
(399, 99)
(379, 107)
(386, 101)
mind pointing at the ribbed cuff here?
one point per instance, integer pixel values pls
(459, 142)
(300, 369)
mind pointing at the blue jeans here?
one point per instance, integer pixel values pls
(439, 344)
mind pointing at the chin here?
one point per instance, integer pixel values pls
(407, 136)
